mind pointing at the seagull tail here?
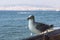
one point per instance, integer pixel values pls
(51, 26)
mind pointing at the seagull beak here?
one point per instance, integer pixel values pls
(28, 18)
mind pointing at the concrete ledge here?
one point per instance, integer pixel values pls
(54, 35)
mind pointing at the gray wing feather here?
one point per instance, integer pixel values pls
(42, 27)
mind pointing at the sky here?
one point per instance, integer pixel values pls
(36, 3)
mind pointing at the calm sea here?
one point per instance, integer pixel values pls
(13, 24)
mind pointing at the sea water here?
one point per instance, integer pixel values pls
(14, 24)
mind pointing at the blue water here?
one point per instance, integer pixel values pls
(13, 24)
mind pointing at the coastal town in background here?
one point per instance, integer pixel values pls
(28, 8)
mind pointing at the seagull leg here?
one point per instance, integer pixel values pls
(31, 34)
(43, 36)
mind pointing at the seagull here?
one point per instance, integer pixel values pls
(37, 27)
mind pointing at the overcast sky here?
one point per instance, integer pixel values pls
(46, 3)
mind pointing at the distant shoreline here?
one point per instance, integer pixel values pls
(29, 8)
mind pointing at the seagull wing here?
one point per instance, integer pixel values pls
(42, 27)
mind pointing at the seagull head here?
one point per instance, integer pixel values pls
(30, 17)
